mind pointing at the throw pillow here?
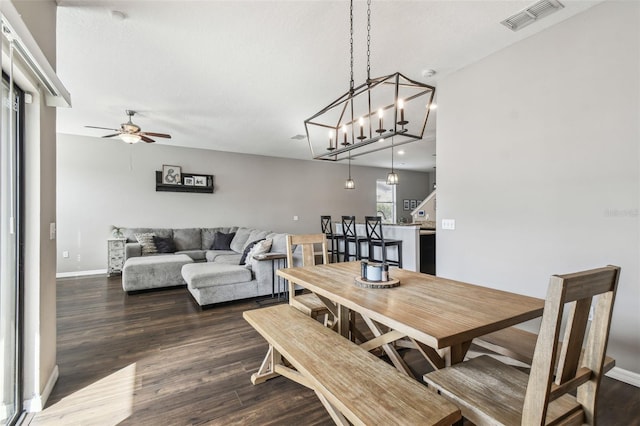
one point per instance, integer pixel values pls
(260, 248)
(164, 245)
(247, 249)
(146, 241)
(222, 241)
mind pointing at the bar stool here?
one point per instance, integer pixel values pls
(349, 236)
(373, 225)
(332, 237)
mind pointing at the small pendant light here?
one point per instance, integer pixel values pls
(349, 183)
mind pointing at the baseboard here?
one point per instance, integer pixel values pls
(626, 376)
(80, 273)
(37, 402)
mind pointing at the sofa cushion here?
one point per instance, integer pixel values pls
(261, 247)
(229, 259)
(255, 235)
(246, 251)
(222, 241)
(140, 273)
(164, 245)
(197, 255)
(240, 239)
(199, 275)
(279, 244)
(145, 239)
(130, 233)
(187, 239)
(212, 255)
(208, 234)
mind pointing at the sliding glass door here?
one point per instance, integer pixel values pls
(10, 275)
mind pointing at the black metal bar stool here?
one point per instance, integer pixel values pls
(349, 236)
(373, 225)
(332, 237)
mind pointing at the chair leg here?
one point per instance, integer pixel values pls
(400, 256)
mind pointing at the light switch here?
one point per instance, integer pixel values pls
(52, 231)
(295, 218)
(449, 224)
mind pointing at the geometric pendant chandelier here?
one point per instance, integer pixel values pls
(359, 121)
(391, 107)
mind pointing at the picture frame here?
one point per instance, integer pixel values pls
(200, 180)
(171, 175)
(188, 180)
(405, 205)
(413, 204)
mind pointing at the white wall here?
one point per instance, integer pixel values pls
(538, 163)
(105, 182)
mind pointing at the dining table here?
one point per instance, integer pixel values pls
(437, 316)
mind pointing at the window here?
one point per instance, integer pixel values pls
(386, 201)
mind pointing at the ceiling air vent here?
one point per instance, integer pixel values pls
(531, 14)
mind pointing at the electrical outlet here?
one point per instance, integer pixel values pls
(78, 257)
(65, 254)
(449, 224)
(295, 218)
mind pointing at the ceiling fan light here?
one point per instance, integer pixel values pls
(130, 138)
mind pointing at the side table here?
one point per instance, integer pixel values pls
(278, 260)
(115, 256)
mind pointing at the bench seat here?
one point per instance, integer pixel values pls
(349, 381)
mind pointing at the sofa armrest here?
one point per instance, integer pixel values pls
(132, 250)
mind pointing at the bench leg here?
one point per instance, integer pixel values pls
(267, 369)
(336, 415)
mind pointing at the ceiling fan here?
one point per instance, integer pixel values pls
(130, 132)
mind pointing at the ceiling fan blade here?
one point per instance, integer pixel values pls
(102, 128)
(110, 136)
(158, 135)
(146, 139)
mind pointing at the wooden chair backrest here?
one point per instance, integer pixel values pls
(574, 292)
(325, 223)
(373, 225)
(349, 226)
(308, 243)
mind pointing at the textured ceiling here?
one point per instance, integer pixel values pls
(242, 76)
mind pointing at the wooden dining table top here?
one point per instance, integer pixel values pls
(436, 311)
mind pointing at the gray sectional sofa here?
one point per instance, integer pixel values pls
(211, 276)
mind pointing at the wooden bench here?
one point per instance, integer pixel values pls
(350, 382)
(519, 344)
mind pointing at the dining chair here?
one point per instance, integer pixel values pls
(308, 303)
(348, 237)
(375, 238)
(332, 237)
(489, 392)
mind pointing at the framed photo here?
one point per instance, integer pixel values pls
(405, 205)
(188, 180)
(200, 180)
(413, 204)
(172, 175)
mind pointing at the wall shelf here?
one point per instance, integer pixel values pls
(199, 189)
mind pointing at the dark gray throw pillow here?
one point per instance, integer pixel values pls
(247, 249)
(164, 245)
(222, 241)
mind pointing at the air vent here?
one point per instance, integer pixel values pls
(531, 14)
(298, 137)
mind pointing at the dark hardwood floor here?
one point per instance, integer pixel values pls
(155, 358)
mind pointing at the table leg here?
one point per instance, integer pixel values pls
(343, 321)
(458, 352)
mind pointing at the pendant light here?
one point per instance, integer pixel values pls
(349, 183)
(392, 177)
(381, 107)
